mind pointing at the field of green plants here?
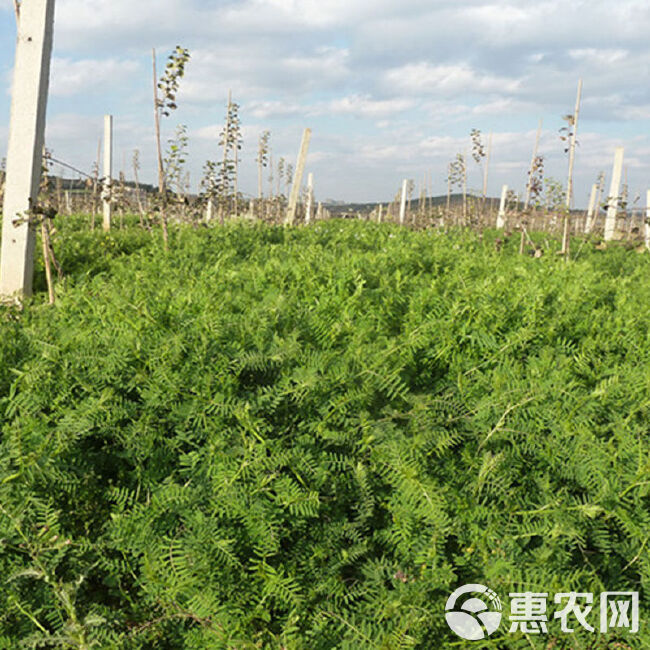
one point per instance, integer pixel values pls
(307, 438)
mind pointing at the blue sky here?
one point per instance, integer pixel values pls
(391, 89)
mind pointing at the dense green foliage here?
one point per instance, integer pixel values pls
(278, 438)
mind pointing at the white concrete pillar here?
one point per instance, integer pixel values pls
(310, 197)
(381, 212)
(108, 170)
(31, 78)
(402, 205)
(501, 217)
(612, 203)
(297, 178)
(591, 209)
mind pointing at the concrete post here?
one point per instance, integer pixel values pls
(25, 148)
(591, 209)
(501, 217)
(612, 202)
(381, 212)
(310, 197)
(297, 178)
(108, 170)
(402, 205)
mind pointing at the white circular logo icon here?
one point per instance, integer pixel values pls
(473, 618)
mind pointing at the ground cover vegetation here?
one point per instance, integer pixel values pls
(265, 437)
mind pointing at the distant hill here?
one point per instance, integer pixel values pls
(340, 207)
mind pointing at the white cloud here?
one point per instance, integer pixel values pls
(365, 106)
(264, 110)
(71, 77)
(424, 77)
(326, 63)
(595, 56)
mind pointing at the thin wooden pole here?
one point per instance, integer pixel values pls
(601, 187)
(156, 112)
(647, 220)
(529, 184)
(46, 262)
(487, 166)
(31, 77)
(108, 170)
(569, 185)
(448, 190)
(465, 189)
(572, 147)
(310, 197)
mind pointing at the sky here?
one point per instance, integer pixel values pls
(390, 88)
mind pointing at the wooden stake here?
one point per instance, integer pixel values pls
(108, 171)
(297, 178)
(236, 179)
(601, 187)
(487, 166)
(46, 261)
(26, 137)
(156, 108)
(529, 185)
(448, 190)
(612, 203)
(572, 147)
(569, 184)
(465, 189)
(310, 197)
(647, 220)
